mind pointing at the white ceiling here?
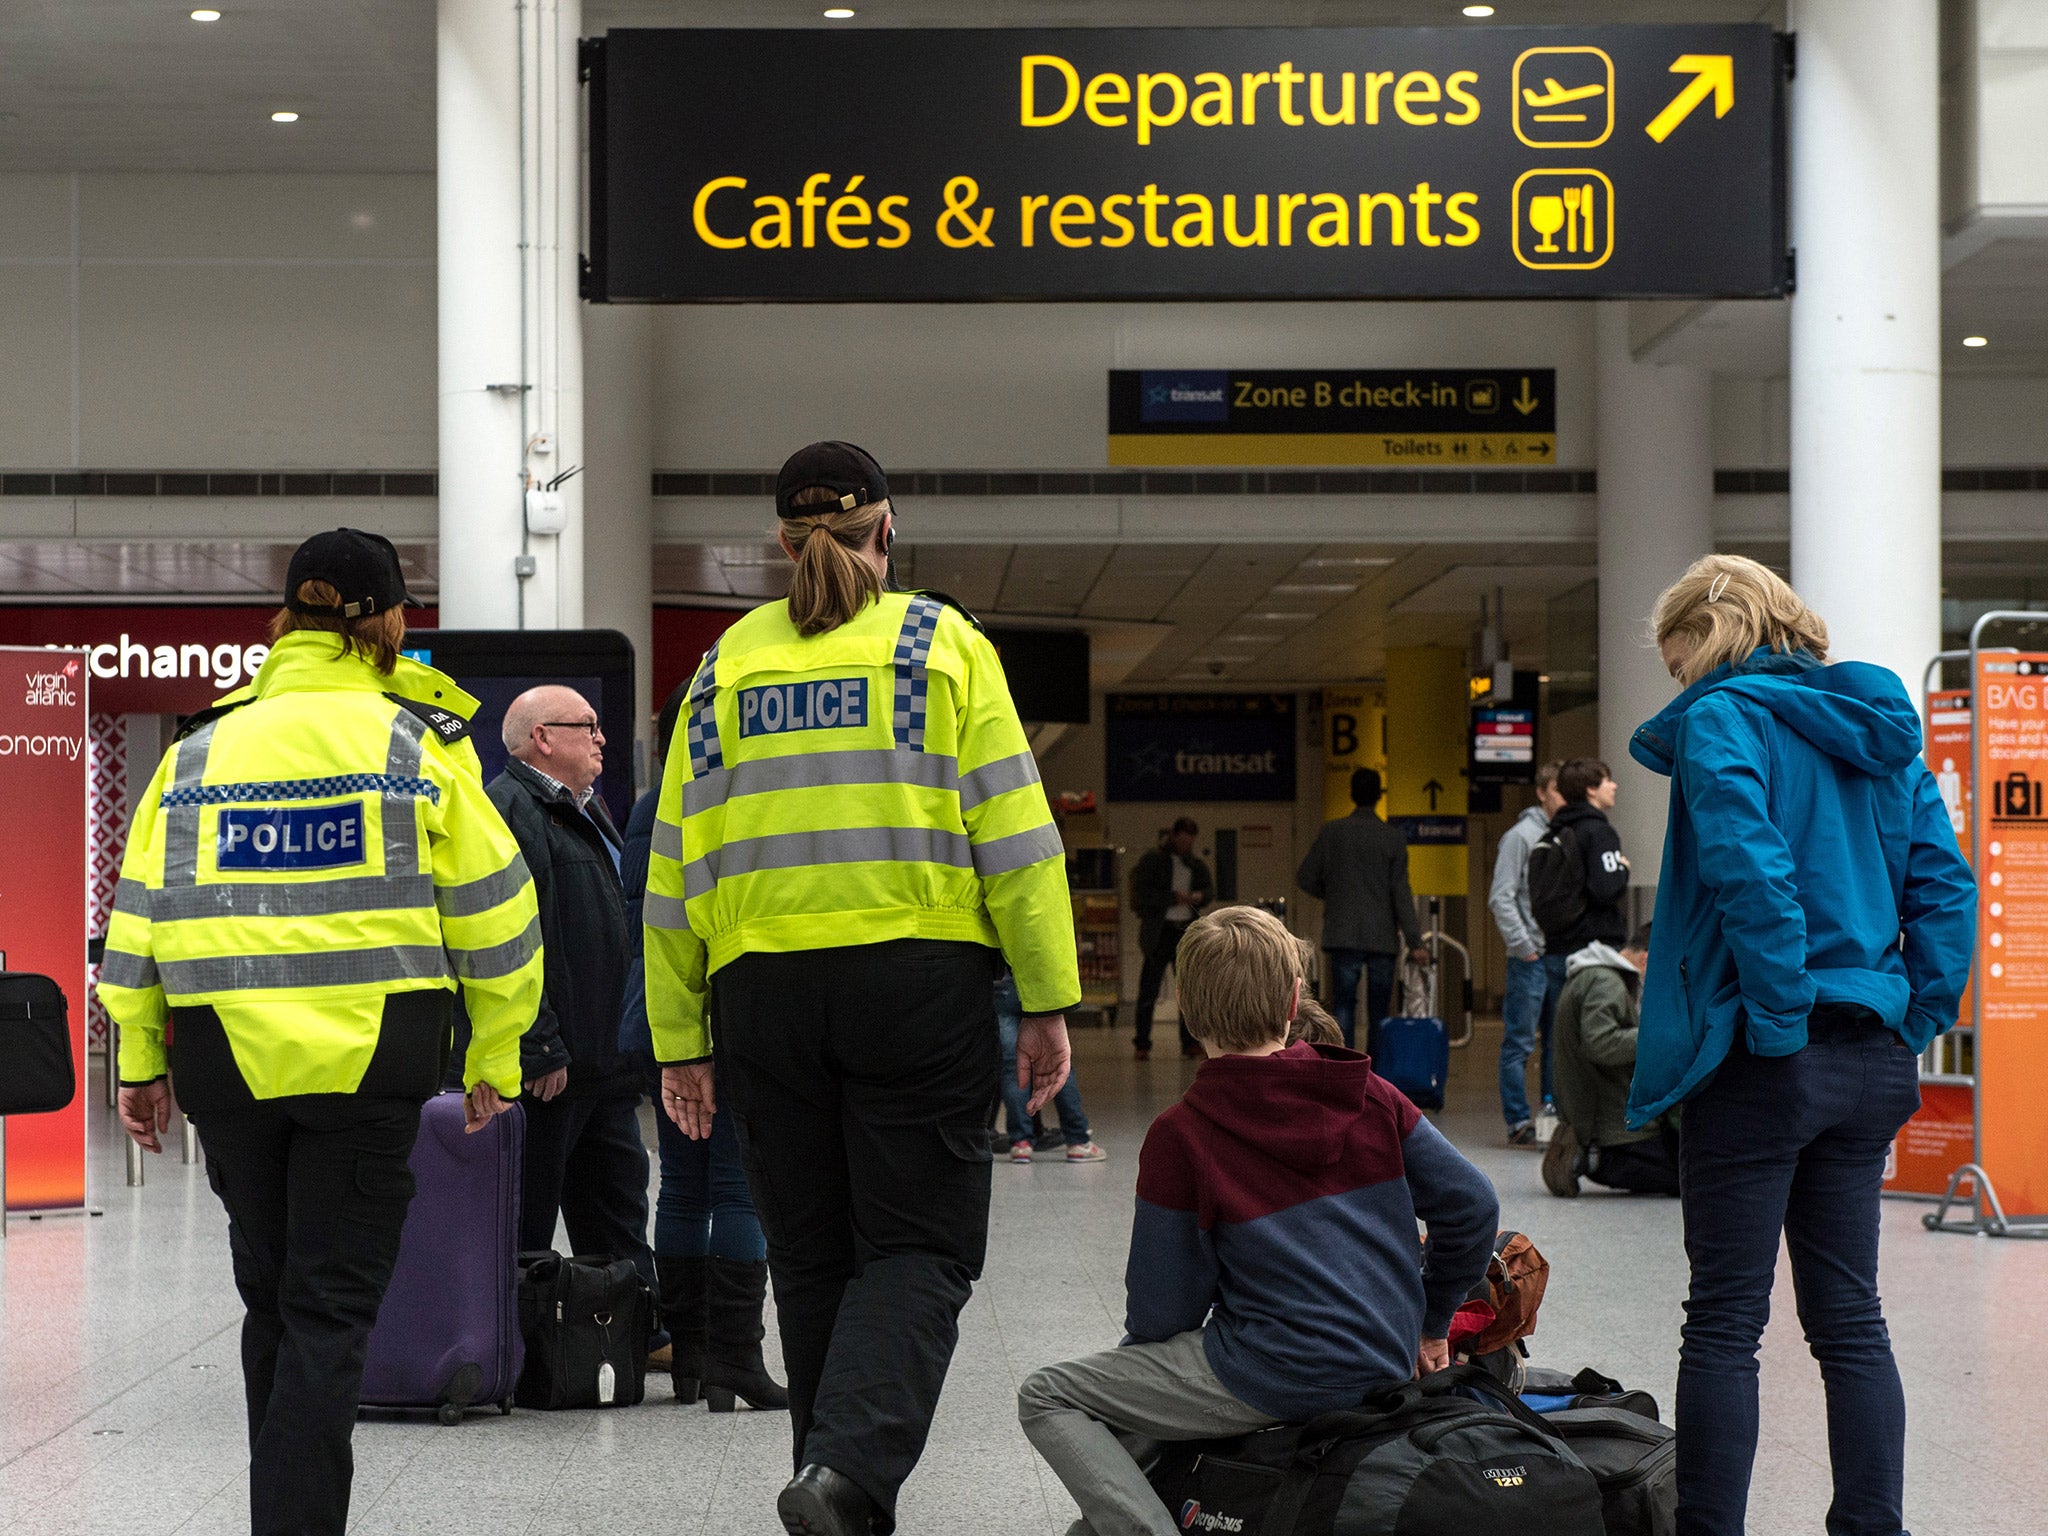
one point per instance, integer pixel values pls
(97, 85)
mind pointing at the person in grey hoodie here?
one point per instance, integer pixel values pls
(1534, 979)
(1597, 1017)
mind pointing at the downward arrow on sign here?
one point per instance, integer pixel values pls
(1525, 402)
(1713, 74)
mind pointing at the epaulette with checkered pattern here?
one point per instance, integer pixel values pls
(951, 602)
(208, 715)
(447, 724)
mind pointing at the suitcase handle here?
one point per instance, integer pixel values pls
(1434, 941)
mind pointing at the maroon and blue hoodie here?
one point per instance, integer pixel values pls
(1277, 1204)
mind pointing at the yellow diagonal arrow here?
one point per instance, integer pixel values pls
(1525, 402)
(1712, 73)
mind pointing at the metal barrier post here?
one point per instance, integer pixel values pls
(189, 1150)
(3, 1177)
(134, 1163)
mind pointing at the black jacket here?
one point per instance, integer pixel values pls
(1358, 869)
(1606, 882)
(1152, 892)
(584, 926)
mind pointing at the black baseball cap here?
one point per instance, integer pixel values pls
(362, 567)
(847, 471)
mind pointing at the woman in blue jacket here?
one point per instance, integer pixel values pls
(1815, 924)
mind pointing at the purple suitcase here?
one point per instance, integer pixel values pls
(448, 1335)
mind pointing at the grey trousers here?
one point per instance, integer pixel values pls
(1072, 1411)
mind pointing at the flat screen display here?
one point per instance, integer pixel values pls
(1048, 672)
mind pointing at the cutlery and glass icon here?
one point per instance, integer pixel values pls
(1572, 202)
(1571, 211)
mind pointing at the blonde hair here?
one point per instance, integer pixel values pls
(832, 582)
(375, 637)
(1726, 606)
(1238, 967)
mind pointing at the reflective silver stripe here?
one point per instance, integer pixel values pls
(474, 896)
(659, 911)
(181, 822)
(316, 968)
(821, 770)
(843, 845)
(132, 897)
(495, 960)
(700, 877)
(668, 838)
(401, 820)
(118, 968)
(997, 778)
(1018, 850)
(319, 898)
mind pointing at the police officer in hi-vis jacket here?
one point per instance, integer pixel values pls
(311, 874)
(851, 837)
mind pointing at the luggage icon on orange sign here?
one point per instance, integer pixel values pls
(2017, 796)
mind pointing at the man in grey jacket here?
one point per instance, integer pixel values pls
(1533, 981)
(1358, 869)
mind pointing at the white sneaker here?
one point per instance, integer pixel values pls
(1546, 1125)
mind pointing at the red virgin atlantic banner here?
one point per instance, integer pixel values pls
(43, 819)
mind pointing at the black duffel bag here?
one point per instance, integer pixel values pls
(1635, 1461)
(1422, 1459)
(36, 1045)
(586, 1323)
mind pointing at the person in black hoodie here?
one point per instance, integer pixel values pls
(1577, 879)
(584, 1155)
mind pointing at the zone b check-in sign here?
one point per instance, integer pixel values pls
(1222, 163)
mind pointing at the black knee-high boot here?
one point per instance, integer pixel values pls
(733, 1366)
(682, 1295)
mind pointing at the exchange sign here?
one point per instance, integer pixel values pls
(1494, 162)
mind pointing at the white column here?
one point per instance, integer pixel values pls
(1656, 465)
(618, 498)
(1866, 328)
(477, 193)
(509, 186)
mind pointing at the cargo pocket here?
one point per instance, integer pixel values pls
(383, 1189)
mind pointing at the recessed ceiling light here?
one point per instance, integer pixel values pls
(1283, 618)
(839, 13)
(1477, 12)
(206, 15)
(1305, 588)
(1352, 561)
(284, 117)
(1976, 341)
(1251, 639)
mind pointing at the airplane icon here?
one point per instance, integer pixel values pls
(1555, 95)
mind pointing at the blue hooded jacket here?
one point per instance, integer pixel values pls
(1808, 858)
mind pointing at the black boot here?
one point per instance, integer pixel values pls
(821, 1502)
(733, 1366)
(682, 1298)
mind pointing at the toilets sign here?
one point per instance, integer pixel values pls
(1105, 163)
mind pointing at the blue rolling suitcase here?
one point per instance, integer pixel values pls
(447, 1336)
(1414, 1054)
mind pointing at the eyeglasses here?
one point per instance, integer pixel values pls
(575, 725)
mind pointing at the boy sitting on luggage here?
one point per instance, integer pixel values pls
(1274, 1271)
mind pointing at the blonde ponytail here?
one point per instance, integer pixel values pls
(833, 581)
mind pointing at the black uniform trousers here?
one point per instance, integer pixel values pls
(861, 1079)
(585, 1158)
(316, 1188)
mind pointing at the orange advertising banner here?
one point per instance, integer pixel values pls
(2011, 774)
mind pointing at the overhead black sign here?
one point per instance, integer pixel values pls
(1573, 162)
(1199, 746)
(1494, 417)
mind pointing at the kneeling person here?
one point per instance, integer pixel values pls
(1595, 1046)
(1273, 1272)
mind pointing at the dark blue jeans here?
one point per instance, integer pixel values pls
(1346, 966)
(1016, 1102)
(1526, 1015)
(1793, 1144)
(704, 1206)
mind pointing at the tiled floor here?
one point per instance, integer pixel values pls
(120, 1402)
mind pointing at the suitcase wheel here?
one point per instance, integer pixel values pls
(505, 1408)
(449, 1413)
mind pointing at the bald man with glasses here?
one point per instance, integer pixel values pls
(584, 1156)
